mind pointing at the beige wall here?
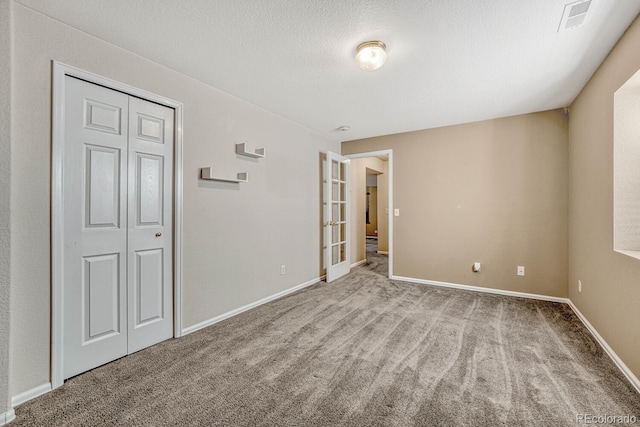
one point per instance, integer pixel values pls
(610, 281)
(5, 200)
(358, 172)
(235, 237)
(492, 191)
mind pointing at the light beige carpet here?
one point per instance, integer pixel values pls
(362, 351)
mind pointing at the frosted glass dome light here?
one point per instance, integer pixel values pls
(371, 55)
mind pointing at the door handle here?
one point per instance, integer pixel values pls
(158, 234)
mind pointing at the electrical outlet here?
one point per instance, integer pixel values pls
(520, 270)
(579, 285)
(283, 270)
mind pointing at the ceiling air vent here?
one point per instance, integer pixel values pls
(575, 14)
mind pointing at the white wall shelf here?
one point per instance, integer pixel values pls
(258, 153)
(207, 173)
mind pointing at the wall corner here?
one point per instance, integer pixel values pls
(5, 196)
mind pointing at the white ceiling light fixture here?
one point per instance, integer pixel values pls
(371, 55)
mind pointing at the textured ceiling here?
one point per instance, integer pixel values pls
(449, 61)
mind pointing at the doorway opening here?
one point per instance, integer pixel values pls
(376, 236)
(372, 202)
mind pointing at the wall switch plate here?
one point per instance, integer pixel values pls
(283, 270)
(521, 270)
(396, 212)
(579, 285)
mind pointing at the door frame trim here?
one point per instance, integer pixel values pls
(60, 71)
(389, 153)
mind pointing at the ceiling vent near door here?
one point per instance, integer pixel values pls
(575, 14)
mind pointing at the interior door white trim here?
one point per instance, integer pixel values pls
(61, 70)
(376, 154)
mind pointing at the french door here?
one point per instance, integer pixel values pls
(117, 225)
(337, 224)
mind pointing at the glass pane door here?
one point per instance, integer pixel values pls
(337, 224)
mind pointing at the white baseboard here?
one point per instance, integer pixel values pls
(612, 354)
(244, 308)
(354, 265)
(7, 417)
(30, 394)
(481, 289)
(383, 252)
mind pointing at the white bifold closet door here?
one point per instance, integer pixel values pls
(118, 202)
